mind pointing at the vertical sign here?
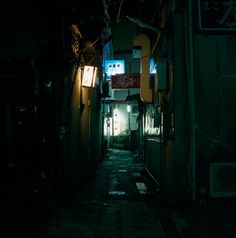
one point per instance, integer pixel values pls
(217, 15)
(143, 42)
(89, 76)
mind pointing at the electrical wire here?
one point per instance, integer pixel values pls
(93, 43)
(118, 16)
(151, 176)
(215, 141)
(157, 40)
(106, 5)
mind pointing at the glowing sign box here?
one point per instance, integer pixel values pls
(113, 67)
(89, 76)
(125, 81)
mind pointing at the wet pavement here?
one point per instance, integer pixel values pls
(118, 201)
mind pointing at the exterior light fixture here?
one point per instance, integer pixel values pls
(128, 108)
(89, 76)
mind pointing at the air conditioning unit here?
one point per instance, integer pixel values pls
(222, 178)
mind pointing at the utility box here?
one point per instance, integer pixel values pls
(222, 178)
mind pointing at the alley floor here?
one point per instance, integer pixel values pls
(119, 201)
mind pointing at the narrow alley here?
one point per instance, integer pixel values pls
(120, 200)
(117, 119)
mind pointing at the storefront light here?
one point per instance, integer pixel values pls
(89, 76)
(128, 108)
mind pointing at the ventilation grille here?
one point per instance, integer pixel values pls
(223, 180)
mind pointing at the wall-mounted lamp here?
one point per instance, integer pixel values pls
(89, 76)
(128, 108)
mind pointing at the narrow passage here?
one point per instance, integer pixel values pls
(116, 202)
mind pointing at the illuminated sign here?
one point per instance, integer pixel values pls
(152, 66)
(89, 76)
(125, 81)
(113, 67)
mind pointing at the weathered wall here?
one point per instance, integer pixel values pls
(154, 157)
(215, 77)
(74, 160)
(86, 132)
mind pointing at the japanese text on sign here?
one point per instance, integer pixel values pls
(217, 14)
(125, 81)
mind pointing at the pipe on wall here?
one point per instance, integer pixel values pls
(190, 75)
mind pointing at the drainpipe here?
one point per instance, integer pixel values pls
(190, 75)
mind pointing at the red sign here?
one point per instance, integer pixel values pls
(125, 81)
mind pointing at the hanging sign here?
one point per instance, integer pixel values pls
(143, 41)
(217, 15)
(120, 81)
(89, 76)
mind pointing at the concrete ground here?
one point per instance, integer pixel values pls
(212, 218)
(119, 201)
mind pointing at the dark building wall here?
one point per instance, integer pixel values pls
(74, 159)
(215, 100)
(215, 85)
(31, 47)
(86, 132)
(167, 157)
(122, 35)
(180, 156)
(28, 26)
(213, 78)
(154, 157)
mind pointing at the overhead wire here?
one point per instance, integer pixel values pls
(119, 11)
(106, 5)
(93, 43)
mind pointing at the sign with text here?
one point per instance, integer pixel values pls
(217, 15)
(113, 67)
(89, 76)
(120, 81)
